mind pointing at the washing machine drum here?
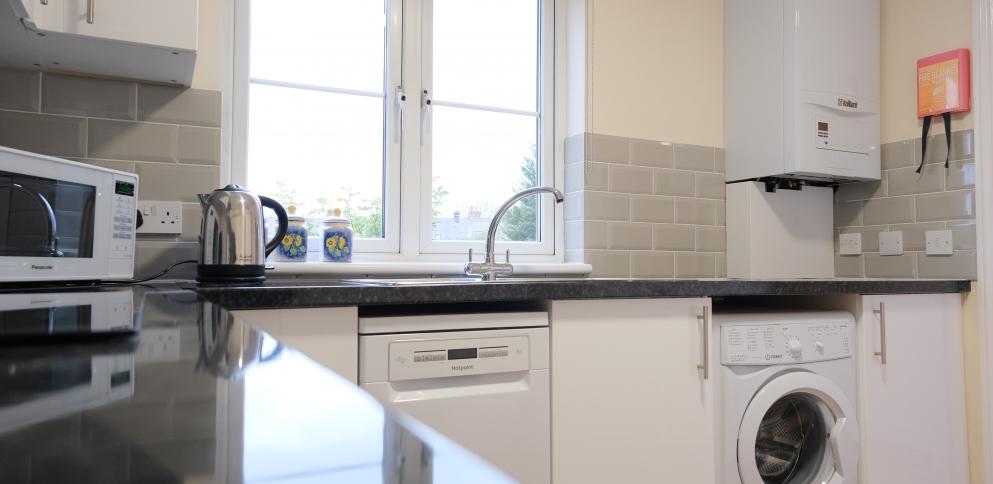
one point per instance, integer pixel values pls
(798, 429)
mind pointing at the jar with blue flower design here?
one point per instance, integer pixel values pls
(293, 247)
(337, 238)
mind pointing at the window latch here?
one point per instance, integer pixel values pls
(400, 97)
(425, 115)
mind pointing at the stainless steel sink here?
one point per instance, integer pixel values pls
(440, 281)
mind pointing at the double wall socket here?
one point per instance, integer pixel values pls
(163, 218)
(850, 244)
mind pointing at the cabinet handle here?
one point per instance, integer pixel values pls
(44, 2)
(705, 366)
(882, 332)
(89, 11)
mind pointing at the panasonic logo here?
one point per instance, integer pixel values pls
(41, 268)
(848, 103)
(463, 367)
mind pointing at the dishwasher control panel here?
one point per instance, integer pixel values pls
(416, 359)
(785, 343)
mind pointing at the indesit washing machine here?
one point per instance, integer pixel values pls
(786, 402)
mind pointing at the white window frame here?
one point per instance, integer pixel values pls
(407, 169)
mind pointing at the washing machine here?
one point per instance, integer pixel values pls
(786, 401)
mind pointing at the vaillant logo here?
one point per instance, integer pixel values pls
(463, 367)
(41, 268)
(848, 103)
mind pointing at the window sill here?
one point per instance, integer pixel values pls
(417, 269)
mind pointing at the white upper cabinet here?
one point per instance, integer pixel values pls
(171, 23)
(912, 405)
(150, 40)
(629, 402)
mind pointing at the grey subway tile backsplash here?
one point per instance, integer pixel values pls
(85, 96)
(171, 181)
(128, 140)
(652, 209)
(630, 236)
(675, 237)
(906, 181)
(651, 153)
(630, 179)
(608, 149)
(696, 211)
(892, 210)
(946, 206)
(43, 133)
(674, 182)
(652, 264)
(671, 191)
(850, 192)
(697, 158)
(710, 186)
(167, 104)
(201, 146)
(19, 90)
(912, 203)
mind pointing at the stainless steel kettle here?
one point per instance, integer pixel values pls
(232, 248)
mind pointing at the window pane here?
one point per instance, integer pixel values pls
(335, 43)
(318, 150)
(480, 159)
(486, 52)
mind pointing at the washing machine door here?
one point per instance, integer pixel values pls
(798, 429)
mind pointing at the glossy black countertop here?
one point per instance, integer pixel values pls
(290, 293)
(197, 396)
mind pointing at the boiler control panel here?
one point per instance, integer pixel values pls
(785, 343)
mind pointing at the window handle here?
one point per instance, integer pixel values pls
(401, 99)
(425, 115)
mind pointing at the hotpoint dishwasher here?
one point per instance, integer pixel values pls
(482, 380)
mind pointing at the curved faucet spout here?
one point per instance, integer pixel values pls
(495, 221)
(489, 268)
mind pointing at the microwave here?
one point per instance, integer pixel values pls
(61, 220)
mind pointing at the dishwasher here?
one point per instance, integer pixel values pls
(481, 380)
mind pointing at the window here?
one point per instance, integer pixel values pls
(416, 117)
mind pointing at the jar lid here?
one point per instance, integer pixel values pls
(291, 216)
(335, 217)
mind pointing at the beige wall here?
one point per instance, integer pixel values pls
(656, 70)
(913, 29)
(209, 71)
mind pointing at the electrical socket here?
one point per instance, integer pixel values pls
(850, 244)
(891, 243)
(161, 217)
(158, 344)
(938, 242)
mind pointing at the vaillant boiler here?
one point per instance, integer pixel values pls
(801, 89)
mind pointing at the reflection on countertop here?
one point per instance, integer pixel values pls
(197, 396)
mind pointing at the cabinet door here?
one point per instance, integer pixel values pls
(171, 23)
(40, 14)
(629, 403)
(329, 336)
(912, 408)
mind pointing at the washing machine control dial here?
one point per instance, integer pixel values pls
(795, 347)
(819, 346)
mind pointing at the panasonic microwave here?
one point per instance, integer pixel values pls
(62, 220)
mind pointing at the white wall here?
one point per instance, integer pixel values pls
(209, 71)
(913, 29)
(656, 69)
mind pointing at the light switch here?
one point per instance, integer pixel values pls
(891, 243)
(938, 242)
(850, 244)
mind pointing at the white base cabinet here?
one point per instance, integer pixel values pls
(629, 403)
(329, 336)
(912, 407)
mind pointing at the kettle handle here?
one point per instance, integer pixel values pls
(281, 215)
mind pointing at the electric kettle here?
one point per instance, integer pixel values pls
(232, 248)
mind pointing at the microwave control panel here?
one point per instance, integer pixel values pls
(123, 217)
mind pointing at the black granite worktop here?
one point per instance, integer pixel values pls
(196, 396)
(290, 293)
